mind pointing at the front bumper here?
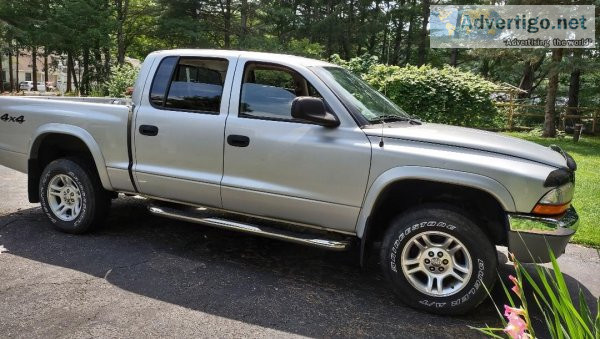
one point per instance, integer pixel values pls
(530, 236)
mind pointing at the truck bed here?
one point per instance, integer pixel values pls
(102, 122)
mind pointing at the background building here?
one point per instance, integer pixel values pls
(23, 69)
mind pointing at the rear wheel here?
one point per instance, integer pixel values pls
(437, 259)
(72, 195)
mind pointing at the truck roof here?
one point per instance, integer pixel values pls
(267, 57)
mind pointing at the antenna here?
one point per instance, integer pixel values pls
(383, 116)
(381, 139)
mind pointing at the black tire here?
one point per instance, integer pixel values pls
(95, 200)
(438, 221)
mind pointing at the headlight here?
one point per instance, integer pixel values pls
(557, 201)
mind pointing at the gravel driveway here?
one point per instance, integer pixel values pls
(143, 276)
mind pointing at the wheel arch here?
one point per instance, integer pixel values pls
(418, 181)
(79, 142)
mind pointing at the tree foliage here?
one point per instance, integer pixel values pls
(443, 95)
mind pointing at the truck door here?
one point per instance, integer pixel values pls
(282, 168)
(179, 129)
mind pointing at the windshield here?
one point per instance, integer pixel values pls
(363, 98)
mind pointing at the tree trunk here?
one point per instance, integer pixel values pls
(528, 77)
(227, 19)
(550, 111)
(17, 85)
(122, 12)
(85, 77)
(363, 24)
(1, 75)
(243, 22)
(484, 69)
(398, 38)
(454, 57)
(373, 38)
(385, 57)
(574, 84)
(422, 53)
(98, 66)
(10, 68)
(351, 36)
(73, 74)
(329, 46)
(45, 65)
(106, 62)
(409, 36)
(34, 68)
(346, 47)
(69, 80)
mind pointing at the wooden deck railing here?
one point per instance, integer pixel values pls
(564, 114)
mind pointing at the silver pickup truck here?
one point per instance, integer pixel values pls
(298, 150)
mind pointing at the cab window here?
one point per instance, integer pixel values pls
(268, 91)
(189, 84)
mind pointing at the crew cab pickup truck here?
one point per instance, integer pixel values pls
(298, 150)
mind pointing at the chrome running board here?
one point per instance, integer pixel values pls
(206, 216)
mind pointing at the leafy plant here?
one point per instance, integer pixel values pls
(564, 318)
(122, 77)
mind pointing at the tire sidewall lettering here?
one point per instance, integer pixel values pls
(451, 301)
(84, 204)
(43, 198)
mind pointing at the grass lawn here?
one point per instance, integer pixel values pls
(586, 153)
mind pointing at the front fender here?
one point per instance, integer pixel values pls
(486, 184)
(78, 132)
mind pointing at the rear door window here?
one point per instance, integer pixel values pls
(189, 84)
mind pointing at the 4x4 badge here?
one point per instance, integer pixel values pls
(8, 118)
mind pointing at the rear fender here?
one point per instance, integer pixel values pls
(81, 134)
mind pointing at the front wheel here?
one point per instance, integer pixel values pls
(437, 259)
(72, 196)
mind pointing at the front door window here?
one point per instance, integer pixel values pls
(268, 91)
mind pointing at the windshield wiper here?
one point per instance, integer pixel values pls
(393, 117)
(390, 117)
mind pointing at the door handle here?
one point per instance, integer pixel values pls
(238, 140)
(148, 130)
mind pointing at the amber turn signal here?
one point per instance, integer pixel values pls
(550, 209)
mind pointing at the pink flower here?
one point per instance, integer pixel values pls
(516, 326)
(511, 310)
(515, 288)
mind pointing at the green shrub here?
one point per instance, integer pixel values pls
(359, 65)
(98, 90)
(447, 95)
(121, 78)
